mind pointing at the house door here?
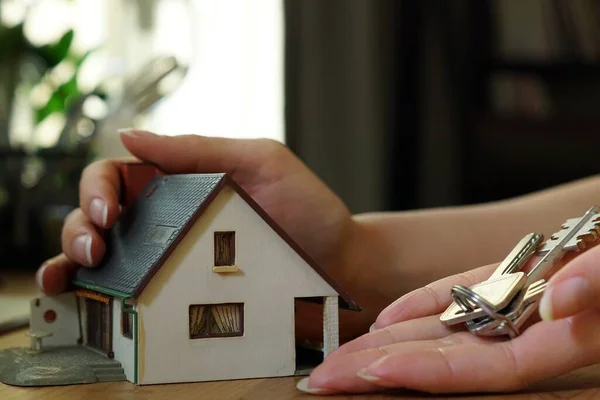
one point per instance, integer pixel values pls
(99, 325)
(309, 346)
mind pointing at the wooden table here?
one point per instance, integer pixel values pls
(580, 385)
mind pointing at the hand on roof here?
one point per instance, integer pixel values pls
(409, 348)
(269, 172)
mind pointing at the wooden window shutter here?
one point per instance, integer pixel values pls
(224, 248)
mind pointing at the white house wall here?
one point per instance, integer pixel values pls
(65, 328)
(123, 347)
(271, 276)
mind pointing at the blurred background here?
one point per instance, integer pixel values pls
(396, 104)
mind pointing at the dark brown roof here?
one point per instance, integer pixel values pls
(147, 233)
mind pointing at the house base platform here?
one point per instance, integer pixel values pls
(57, 366)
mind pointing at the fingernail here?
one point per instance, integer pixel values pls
(99, 212)
(545, 308)
(302, 385)
(566, 298)
(368, 374)
(39, 276)
(365, 375)
(82, 248)
(136, 133)
(373, 328)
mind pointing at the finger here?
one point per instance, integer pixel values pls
(341, 373)
(502, 366)
(99, 192)
(54, 275)
(426, 328)
(574, 288)
(80, 240)
(194, 153)
(431, 299)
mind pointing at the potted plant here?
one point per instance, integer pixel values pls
(38, 184)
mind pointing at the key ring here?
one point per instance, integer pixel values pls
(462, 295)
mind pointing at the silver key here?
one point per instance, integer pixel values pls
(502, 285)
(519, 256)
(561, 243)
(529, 306)
(573, 236)
(576, 230)
(519, 313)
(590, 230)
(498, 292)
(514, 310)
(462, 293)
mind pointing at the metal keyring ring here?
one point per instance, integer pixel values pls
(462, 295)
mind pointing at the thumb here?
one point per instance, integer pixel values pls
(574, 288)
(189, 153)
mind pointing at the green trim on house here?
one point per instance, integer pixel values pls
(130, 310)
(101, 289)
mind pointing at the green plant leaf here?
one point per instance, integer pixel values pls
(61, 49)
(60, 100)
(53, 54)
(54, 104)
(69, 88)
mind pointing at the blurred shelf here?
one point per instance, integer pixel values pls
(550, 69)
(521, 137)
(566, 127)
(512, 156)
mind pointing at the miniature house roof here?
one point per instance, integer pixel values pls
(147, 233)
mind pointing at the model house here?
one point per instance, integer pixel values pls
(198, 284)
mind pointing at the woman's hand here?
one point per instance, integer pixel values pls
(278, 181)
(409, 348)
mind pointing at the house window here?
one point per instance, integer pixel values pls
(216, 320)
(224, 248)
(127, 324)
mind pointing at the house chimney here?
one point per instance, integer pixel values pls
(134, 178)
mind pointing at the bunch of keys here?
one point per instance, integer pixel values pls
(509, 297)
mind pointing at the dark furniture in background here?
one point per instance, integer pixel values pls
(435, 136)
(342, 90)
(509, 155)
